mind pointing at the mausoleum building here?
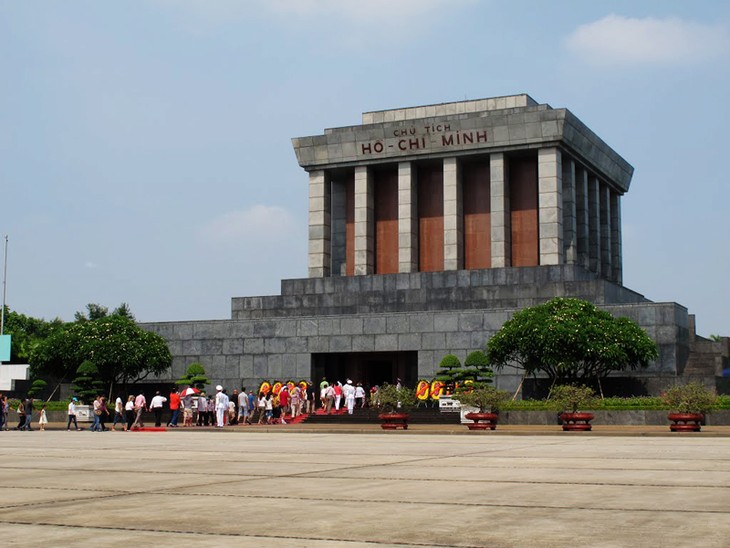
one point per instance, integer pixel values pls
(428, 228)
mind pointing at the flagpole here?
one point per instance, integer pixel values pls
(5, 278)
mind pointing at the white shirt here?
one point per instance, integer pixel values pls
(71, 408)
(118, 405)
(157, 401)
(221, 401)
(129, 406)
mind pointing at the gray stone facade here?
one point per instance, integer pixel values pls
(432, 314)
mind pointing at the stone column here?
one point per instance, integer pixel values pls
(339, 220)
(594, 225)
(319, 224)
(453, 216)
(605, 197)
(407, 219)
(364, 221)
(616, 253)
(550, 205)
(500, 211)
(570, 224)
(581, 214)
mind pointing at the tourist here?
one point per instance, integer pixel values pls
(28, 413)
(251, 405)
(118, 414)
(174, 407)
(261, 405)
(21, 415)
(349, 392)
(232, 414)
(3, 412)
(295, 402)
(43, 419)
(72, 414)
(129, 413)
(284, 400)
(338, 395)
(243, 406)
(96, 408)
(360, 395)
(210, 414)
(269, 403)
(276, 410)
(140, 404)
(187, 407)
(233, 408)
(311, 397)
(329, 398)
(103, 415)
(323, 392)
(202, 404)
(156, 405)
(221, 406)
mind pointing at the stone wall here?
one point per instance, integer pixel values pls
(251, 350)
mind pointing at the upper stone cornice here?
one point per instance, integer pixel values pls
(500, 124)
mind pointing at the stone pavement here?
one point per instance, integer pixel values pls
(307, 488)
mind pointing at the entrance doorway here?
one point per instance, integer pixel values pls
(369, 368)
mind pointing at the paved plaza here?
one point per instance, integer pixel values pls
(249, 487)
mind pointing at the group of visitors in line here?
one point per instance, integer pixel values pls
(196, 408)
(24, 409)
(332, 396)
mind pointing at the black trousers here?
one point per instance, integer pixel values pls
(158, 415)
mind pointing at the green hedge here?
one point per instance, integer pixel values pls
(638, 403)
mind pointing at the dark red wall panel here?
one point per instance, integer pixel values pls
(477, 220)
(386, 220)
(430, 218)
(524, 215)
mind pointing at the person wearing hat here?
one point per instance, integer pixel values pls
(221, 405)
(72, 414)
(349, 392)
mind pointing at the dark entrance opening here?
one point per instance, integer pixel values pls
(369, 368)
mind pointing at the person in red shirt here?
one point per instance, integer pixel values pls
(174, 407)
(284, 400)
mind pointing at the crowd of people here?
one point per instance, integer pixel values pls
(198, 409)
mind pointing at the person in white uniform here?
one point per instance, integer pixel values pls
(349, 392)
(221, 405)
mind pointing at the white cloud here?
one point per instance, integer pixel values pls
(90, 265)
(258, 226)
(618, 40)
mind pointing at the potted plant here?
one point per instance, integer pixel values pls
(688, 404)
(485, 398)
(568, 399)
(393, 403)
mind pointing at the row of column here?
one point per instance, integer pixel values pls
(579, 217)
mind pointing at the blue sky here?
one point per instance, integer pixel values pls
(145, 152)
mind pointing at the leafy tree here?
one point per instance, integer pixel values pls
(477, 369)
(194, 376)
(448, 370)
(570, 339)
(125, 311)
(27, 332)
(93, 312)
(87, 383)
(122, 351)
(96, 311)
(37, 387)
